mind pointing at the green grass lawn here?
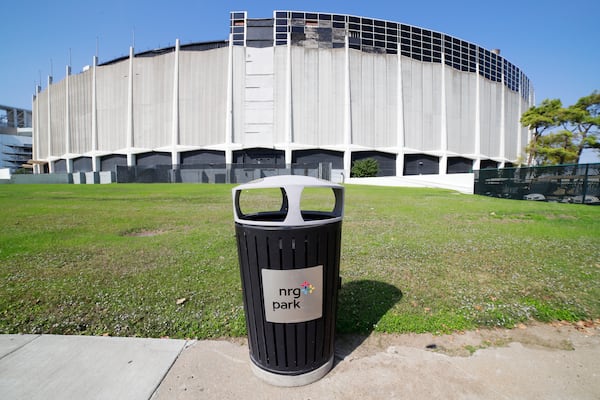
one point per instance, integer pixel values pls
(160, 260)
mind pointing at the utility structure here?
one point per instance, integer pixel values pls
(15, 138)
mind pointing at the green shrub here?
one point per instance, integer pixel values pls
(365, 168)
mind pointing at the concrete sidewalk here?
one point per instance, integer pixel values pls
(535, 362)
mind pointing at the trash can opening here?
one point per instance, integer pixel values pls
(288, 201)
(263, 204)
(271, 204)
(317, 202)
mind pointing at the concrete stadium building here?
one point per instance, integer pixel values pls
(293, 88)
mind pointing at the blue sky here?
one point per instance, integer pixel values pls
(556, 43)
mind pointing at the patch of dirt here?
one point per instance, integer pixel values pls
(554, 336)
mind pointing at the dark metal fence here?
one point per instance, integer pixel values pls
(216, 173)
(577, 183)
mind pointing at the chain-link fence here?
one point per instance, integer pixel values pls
(217, 173)
(577, 183)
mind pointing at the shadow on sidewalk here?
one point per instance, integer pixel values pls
(361, 304)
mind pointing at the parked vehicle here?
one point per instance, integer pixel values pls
(591, 200)
(534, 197)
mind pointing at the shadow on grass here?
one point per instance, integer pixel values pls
(361, 304)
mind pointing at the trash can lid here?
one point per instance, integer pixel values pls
(290, 213)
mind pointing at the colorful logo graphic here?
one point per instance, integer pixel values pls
(307, 288)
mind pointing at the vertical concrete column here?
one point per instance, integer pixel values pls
(35, 139)
(175, 121)
(502, 154)
(229, 105)
(399, 119)
(130, 155)
(13, 115)
(477, 163)
(443, 122)
(69, 160)
(289, 136)
(347, 111)
(95, 158)
(519, 150)
(49, 111)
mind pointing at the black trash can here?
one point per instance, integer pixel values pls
(289, 265)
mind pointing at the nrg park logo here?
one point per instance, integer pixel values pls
(305, 288)
(285, 301)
